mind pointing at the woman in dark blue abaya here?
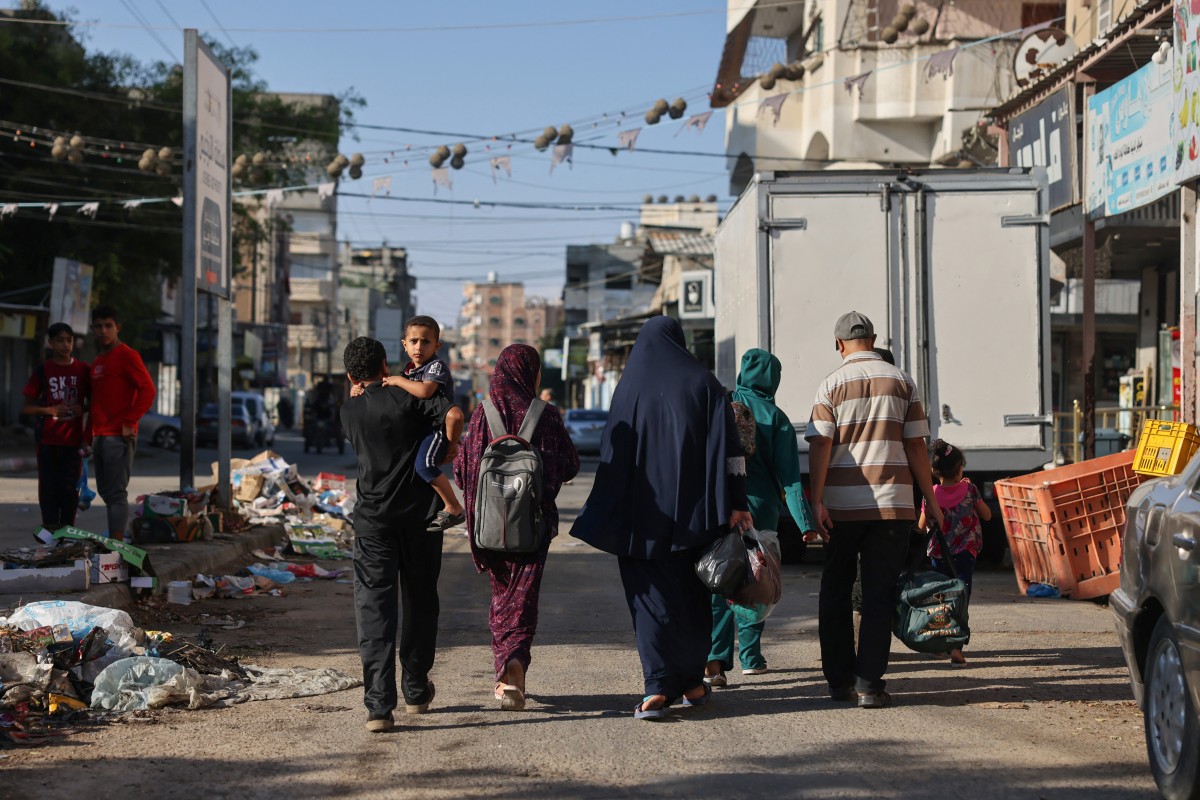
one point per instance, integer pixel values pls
(671, 480)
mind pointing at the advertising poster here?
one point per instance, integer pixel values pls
(210, 149)
(1185, 79)
(1044, 136)
(1130, 156)
(71, 294)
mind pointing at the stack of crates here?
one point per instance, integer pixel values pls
(1064, 525)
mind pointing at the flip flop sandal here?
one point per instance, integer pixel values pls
(511, 697)
(651, 714)
(444, 521)
(702, 700)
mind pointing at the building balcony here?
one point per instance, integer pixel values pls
(311, 290)
(306, 337)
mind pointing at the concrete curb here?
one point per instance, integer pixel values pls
(177, 562)
(18, 464)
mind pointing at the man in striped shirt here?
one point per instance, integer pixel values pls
(866, 450)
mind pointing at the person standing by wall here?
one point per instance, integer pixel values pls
(866, 450)
(774, 468)
(394, 554)
(122, 393)
(516, 579)
(57, 395)
(671, 480)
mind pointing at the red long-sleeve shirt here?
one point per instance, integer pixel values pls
(122, 391)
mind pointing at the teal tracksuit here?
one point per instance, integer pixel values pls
(774, 469)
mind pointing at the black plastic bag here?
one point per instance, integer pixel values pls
(723, 566)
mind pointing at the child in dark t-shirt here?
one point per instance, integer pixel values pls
(426, 376)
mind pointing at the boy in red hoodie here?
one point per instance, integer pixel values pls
(57, 395)
(122, 392)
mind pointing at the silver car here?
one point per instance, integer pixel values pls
(1158, 621)
(160, 430)
(586, 427)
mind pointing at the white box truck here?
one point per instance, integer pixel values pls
(950, 265)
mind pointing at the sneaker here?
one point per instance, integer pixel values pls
(754, 671)
(716, 681)
(842, 694)
(879, 699)
(380, 724)
(421, 708)
(44, 536)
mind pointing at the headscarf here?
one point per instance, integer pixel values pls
(661, 485)
(513, 387)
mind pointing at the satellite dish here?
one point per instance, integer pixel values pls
(1039, 53)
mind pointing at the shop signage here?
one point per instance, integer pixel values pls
(1044, 136)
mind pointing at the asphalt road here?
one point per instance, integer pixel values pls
(1043, 710)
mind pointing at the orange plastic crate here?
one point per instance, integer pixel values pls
(1064, 525)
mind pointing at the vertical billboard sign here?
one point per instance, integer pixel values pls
(71, 294)
(1185, 78)
(1045, 136)
(1130, 159)
(206, 196)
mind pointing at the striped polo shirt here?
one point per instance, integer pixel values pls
(868, 408)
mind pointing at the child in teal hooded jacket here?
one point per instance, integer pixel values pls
(773, 469)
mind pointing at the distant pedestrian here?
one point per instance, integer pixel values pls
(866, 450)
(122, 393)
(516, 579)
(393, 551)
(547, 395)
(671, 480)
(57, 395)
(963, 508)
(424, 376)
(772, 470)
(287, 412)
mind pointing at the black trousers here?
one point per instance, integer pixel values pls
(59, 468)
(672, 621)
(882, 547)
(393, 568)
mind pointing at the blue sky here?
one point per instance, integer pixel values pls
(488, 81)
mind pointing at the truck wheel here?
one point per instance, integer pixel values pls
(1172, 728)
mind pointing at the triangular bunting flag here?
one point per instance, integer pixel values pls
(441, 177)
(383, 184)
(501, 163)
(857, 82)
(274, 196)
(130, 205)
(628, 139)
(7, 210)
(89, 209)
(775, 104)
(697, 121)
(562, 152)
(941, 64)
(325, 190)
(52, 208)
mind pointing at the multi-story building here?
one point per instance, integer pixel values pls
(376, 295)
(496, 314)
(848, 95)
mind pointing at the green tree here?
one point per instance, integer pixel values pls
(50, 85)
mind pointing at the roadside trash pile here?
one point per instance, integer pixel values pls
(266, 490)
(259, 578)
(63, 663)
(73, 560)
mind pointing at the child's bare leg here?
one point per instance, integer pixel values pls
(441, 485)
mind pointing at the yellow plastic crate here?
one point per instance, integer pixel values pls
(1165, 448)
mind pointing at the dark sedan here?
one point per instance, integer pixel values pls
(1158, 620)
(241, 431)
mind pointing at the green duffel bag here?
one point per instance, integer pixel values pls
(931, 609)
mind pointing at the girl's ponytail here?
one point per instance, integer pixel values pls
(946, 459)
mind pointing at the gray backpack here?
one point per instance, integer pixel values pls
(508, 499)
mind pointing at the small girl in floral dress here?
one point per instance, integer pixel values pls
(963, 508)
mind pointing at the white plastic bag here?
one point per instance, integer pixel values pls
(142, 682)
(758, 598)
(79, 617)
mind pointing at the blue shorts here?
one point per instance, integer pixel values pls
(430, 455)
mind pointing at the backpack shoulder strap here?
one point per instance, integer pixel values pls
(532, 416)
(495, 424)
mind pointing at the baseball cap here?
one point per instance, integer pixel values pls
(853, 326)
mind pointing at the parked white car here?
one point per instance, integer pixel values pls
(263, 432)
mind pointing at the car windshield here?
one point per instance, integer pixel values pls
(209, 410)
(582, 415)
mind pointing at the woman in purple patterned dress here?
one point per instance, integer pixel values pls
(516, 579)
